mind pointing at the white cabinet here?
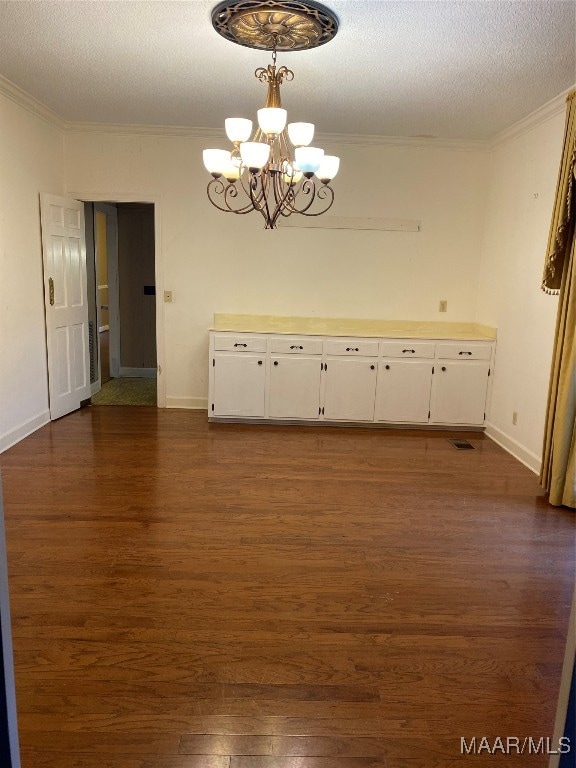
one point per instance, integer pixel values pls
(350, 389)
(444, 382)
(459, 392)
(294, 386)
(239, 384)
(403, 392)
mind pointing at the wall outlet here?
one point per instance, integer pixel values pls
(443, 306)
(514, 417)
(168, 297)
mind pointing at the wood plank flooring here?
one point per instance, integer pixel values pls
(225, 596)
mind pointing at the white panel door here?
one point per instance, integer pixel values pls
(239, 385)
(294, 387)
(459, 392)
(64, 255)
(350, 389)
(403, 392)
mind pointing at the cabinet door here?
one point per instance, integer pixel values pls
(459, 392)
(350, 389)
(403, 392)
(239, 385)
(294, 387)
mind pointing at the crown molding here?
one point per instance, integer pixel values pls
(119, 129)
(23, 99)
(528, 123)
(531, 121)
(325, 138)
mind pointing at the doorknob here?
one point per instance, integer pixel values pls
(51, 291)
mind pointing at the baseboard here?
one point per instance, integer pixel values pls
(15, 435)
(527, 457)
(194, 403)
(137, 373)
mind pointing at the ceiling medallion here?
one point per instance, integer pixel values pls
(286, 25)
(274, 170)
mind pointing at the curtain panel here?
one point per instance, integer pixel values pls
(558, 475)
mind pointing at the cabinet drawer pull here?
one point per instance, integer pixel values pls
(412, 351)
(275, 362)
(240, 345)
(259, 362)
(464, 353)
(296, 346)
(387, 367)
(352, 349)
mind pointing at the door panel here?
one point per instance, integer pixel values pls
(239, 385)
(294, 387)
(66, 304)
(459, 392)
(350, 389)
(403, 393)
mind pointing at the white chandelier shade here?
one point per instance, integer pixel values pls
(238, 128)
(272, 120)
(308, 159)
(254, 154)
(301, 134)
(328, 168)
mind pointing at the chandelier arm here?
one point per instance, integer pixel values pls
(324, 193)
(232, 192)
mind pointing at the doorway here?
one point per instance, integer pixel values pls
(120, 244)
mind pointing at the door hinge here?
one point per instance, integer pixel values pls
(325, 366)
(484, 415)
(319, 410)
(322, 410)
(489, 369)
(159, 370)
(213, 362)
(428, 414)
(212, 406)
(432, 369)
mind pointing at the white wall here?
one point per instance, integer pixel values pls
(31, 161)
(215, 262)
(521, 192)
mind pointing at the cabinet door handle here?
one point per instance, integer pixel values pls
(240, 345)
(275, 362)
(464, 353)
(372, 367)
(352, 349)
(259, 362)
(412, 351)
(296, 346)
(443, 367)
(387, 367)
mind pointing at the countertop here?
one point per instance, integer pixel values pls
(333, 326)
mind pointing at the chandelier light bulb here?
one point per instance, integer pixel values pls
(216, 161)
(301, 134)
(309, 159)
(328, 168)
(232, 171)
(254, 154)
(238, 129)
(272, 120)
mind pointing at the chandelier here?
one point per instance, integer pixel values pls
(273, 170)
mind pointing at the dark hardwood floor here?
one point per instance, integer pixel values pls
(187, 595)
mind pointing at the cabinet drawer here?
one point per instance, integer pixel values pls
(407, 349)
(354, 347)
(241, 343)
(296, 345)
(465, 351)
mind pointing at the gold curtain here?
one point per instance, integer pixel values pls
(558, 475)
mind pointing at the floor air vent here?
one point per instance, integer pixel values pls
(462, 445)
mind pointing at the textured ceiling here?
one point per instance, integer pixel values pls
(463, 70)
